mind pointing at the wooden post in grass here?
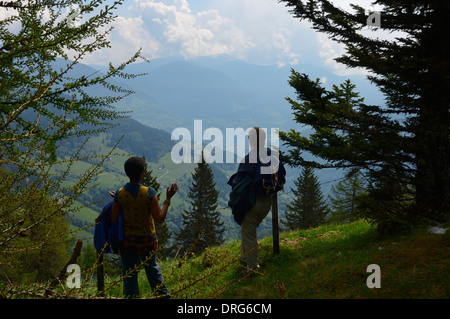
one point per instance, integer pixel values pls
(62, 274)
(275, 233)
(100, 273)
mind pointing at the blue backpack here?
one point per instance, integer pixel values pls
(107, 235)
(269, 183)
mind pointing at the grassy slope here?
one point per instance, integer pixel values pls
(331, 262)
(325, 262)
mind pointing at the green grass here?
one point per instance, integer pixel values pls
(331, 262)
(328, 262)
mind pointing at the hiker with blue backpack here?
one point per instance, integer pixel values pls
(259, 176)
(137, 209)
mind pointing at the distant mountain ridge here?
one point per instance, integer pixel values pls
(222, 91)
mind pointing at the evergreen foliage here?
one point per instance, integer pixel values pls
(308, 208)
(345, 199)
(403, 147)
(203, 221)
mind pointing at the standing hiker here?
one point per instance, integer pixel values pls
(249, 207)
(140, 209)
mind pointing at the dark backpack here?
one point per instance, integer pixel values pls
(242, 197)
(269, 183)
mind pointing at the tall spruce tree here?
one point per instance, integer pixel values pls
(308, 208)
(203, 218)
(162, 230)
(403, 146)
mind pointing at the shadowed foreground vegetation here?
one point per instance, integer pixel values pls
(327, 262)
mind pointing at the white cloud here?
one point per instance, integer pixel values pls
(260, 31)
(190, 34)
(330, 50)
(128, 36)
(275, 35)
(280, 64)
(133, 29)
(294, 62)
(13, 27)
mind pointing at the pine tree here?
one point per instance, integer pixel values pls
(403, 147)
(203, 218)
(162, 230)
(345, 199)
(308, 208)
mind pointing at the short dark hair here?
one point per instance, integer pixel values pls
(134, 166)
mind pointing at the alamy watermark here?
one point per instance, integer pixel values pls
(374, 19)
(374, 280)
(232, 144)
(74, 279)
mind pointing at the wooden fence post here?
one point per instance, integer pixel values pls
(100, 273)
(62, 274)
(275, 232)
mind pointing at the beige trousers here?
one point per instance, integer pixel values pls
(251, 221)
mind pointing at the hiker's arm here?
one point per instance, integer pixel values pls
(159, 214)
(115, 212)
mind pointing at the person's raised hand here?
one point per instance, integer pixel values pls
(171, 191)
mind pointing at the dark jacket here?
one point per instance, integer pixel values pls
(242, 197)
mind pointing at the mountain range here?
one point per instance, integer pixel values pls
(221, 91)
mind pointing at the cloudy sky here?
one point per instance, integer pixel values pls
(257, 31)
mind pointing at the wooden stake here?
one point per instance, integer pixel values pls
(62, 274)
(100, 274)
(275, 232)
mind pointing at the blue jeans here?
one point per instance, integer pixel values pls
(152, 270)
